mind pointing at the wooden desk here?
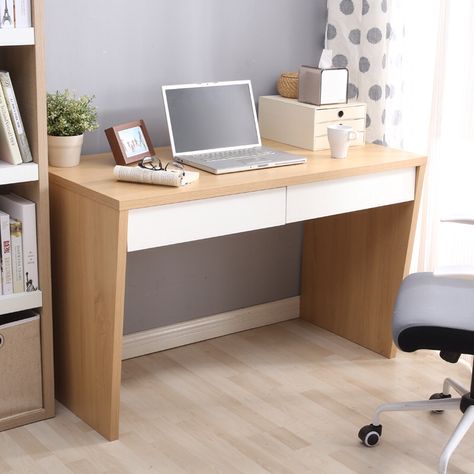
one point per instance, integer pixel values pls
(360, 214)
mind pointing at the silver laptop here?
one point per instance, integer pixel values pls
(214, 127)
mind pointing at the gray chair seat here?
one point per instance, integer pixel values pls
(434, 313)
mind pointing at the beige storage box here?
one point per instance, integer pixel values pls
(305, 125)
(20, 365)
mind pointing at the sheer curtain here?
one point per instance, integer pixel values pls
(437, 110)
(418, 55)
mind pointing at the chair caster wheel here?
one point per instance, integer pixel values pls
(370, 435)
(438, 396)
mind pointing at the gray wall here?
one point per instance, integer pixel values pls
(195, 279)
(122, 52)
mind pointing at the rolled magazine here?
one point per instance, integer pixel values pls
(160, 177)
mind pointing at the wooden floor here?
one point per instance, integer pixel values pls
(287, 398)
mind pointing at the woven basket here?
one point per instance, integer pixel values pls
(287, 85)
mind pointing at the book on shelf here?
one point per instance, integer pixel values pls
(14, 111)
(22, 13)
(17, 256)
(9, 149)
(6, 254)
(8, 15)
(24, 211)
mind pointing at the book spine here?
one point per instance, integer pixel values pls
(7, 281)
(25, 211)
(15, 116)
(17, 256)
(30, 259)
(9, 150)
(22, 13)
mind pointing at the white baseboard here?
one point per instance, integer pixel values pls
(160, 339)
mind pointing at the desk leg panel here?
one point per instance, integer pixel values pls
(88, 273)
(352, 267)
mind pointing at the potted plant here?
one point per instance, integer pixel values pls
(68, 118)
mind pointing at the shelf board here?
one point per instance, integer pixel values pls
(20, 301)
(17, 36)
(10, 174)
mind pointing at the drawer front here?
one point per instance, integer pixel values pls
(322, 143)
(325, 198)
(321, 129)
(183, 222)
(343, 112)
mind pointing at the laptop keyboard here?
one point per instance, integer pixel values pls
(251, 153)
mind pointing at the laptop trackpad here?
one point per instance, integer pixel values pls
(255, 161)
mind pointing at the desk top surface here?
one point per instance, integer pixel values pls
(94, 178)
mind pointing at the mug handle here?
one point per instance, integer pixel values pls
(351, 136)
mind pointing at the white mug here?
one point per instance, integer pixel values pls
(339, 137)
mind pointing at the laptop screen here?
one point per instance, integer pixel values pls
(211, 117)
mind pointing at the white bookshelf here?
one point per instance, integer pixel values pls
(10, 174)
(17, 36)
(20, 301)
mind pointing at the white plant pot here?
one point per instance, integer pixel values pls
(65, 152)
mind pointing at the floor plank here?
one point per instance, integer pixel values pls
(287, 398)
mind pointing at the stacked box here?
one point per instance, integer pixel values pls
(305, 125)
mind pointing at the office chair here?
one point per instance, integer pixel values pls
(435, 311)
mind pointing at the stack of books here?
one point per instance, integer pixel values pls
(16, 14)
(19, 261)
(14, 148)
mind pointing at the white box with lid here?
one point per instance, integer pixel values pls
(304, 125)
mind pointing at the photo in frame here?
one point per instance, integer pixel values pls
(130, 142)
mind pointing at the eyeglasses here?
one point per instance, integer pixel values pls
(153, 163)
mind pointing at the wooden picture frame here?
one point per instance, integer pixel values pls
(130, 142)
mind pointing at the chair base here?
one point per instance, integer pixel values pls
(370, 434)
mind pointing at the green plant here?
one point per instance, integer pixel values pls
(69, 115)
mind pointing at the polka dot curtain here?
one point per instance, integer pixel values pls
(358, 32)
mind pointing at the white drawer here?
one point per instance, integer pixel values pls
(351, 111)
(325, 198)
(321, 129)
(322, 142)
(194, 220)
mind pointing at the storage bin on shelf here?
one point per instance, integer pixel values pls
(20, 364)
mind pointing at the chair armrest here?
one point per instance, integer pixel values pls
(465, 272)
(459, 219)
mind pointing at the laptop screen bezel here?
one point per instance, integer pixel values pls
(210, 84)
